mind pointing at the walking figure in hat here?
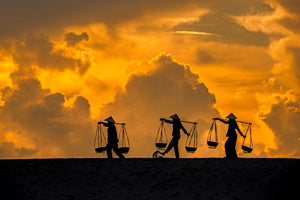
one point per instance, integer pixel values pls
(177, 125)
(231, 134)
(112, 138)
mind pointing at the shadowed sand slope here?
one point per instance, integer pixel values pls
(149, 178)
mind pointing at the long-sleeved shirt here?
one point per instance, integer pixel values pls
(177, 125)
(232, 126)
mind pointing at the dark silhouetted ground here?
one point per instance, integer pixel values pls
(150, 179)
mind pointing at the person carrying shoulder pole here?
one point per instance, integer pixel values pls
(231, 134)
(112, 138)
(177, 125)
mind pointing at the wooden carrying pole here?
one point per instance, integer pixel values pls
(237, 121)
(115, 123)
(188, 122)
(244, 122)
(120, 123)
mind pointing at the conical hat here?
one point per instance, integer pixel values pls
(110, 119)
(175, 116)
(231, 116)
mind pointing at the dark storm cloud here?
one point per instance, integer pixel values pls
(72, 38)
(39, 51)
(170, 88)
(18, 17)
(220, 22)
(42, 117)
(227, 29)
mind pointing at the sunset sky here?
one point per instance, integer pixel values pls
(66, 64)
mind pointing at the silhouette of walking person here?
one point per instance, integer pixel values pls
(231, 134)
(112, 138)
(177, 125)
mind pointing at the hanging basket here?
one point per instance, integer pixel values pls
(212, 145)
(100, 141)
(124, 140)
(247, 149)
(123, 149)
(100, 149)
(212, 138)
(247, 146)
(190, 149)
(192, 140)
(161, 139)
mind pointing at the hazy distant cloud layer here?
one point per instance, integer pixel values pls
(18, 17)
(9, 150)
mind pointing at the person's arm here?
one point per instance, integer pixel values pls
(240, 132)
(221, 120)
(184, 130)
(166, 120)
(104, 123)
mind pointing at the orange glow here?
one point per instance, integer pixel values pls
(246, 58)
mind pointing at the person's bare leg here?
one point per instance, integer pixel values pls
(116, 150)
(108, 151)
(176, 149)
(170, 146)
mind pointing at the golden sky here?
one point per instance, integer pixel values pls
(64, 65)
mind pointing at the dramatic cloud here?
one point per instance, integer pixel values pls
(61, 61)
(295, 52)
(284, 119)
(292, 13)
(18, 18)
(72, 38)
(169, 88)
(38, 51)
(41, 116)
(279, 101)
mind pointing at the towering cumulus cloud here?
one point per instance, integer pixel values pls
(170, 87)
(284, 119)
(36, 121)
(40, 117)
(283, 113)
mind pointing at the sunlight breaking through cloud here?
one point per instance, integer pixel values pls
(196, 33)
